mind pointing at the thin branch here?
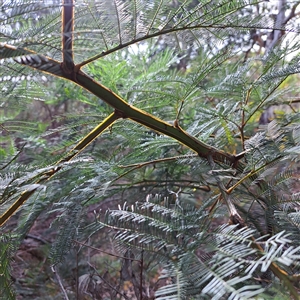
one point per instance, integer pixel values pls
(135, 19)
(237, 219)
(118, 21)
(250, 174)
(53, 268)
(122, 110)
(158, 183)
(277, 33)
(77, 277)
(142, 164)
(112, 287)
(14, 158)
(37, 238)
(108, 253)
(154, 17)
(234, 215)
(59, 165)
(262, 102)
(292, 13)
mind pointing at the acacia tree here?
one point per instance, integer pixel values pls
(209, 194)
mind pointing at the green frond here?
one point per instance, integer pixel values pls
(290, 221)
(176, 290)
(67, 228)
(127, 23)
(7, 248)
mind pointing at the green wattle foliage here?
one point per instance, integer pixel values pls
(157, 134)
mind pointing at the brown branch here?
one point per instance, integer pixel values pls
(292, 13)
(142, 164)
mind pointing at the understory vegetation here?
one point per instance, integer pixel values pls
(149, 149)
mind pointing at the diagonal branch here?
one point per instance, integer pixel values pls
(174, 30)
(123, 109)
(150, 121)
(46, 176)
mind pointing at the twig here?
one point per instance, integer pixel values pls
(155, 161)
(235, 218)
(60, 283)
(292, 13)
(102, 278)
(158, 183)
(234, 215)
(83, 143)
(15, 157)
(97, 249)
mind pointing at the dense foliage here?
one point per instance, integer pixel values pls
(164, 135)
